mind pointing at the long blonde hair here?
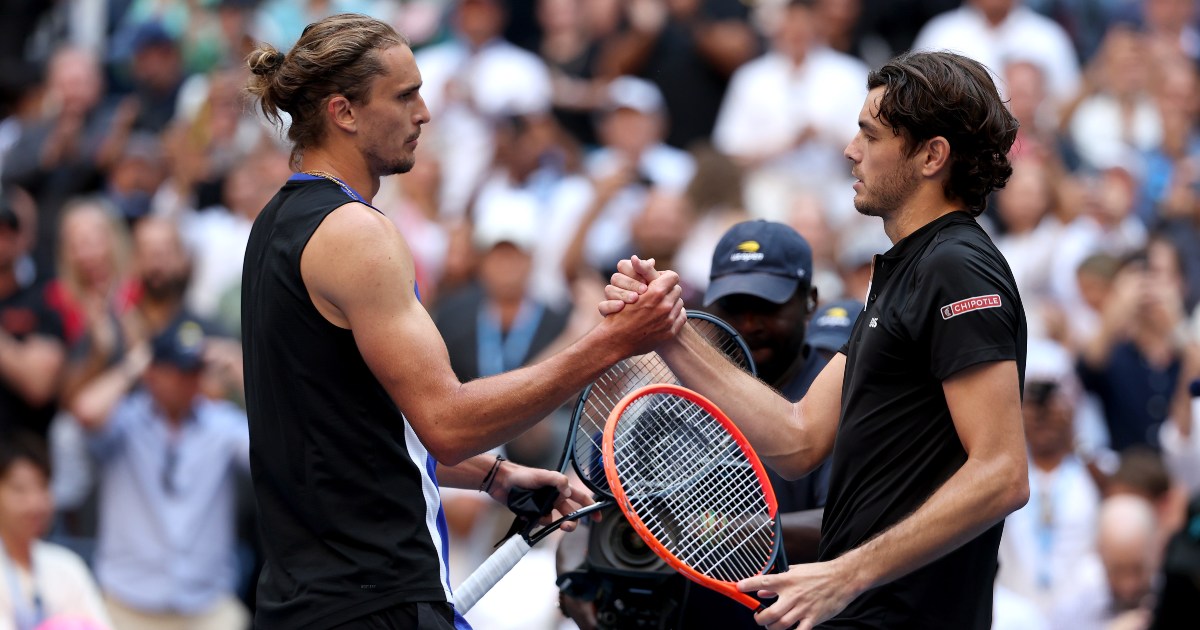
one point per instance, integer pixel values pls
(118, 232)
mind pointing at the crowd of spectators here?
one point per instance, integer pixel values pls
(566, 135)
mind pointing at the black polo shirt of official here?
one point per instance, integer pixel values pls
(941, 300)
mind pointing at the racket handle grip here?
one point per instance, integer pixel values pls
(489, 573)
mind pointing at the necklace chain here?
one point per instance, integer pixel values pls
(344, 186)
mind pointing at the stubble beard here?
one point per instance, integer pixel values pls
(892, 189)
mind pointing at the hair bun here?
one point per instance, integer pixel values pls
(265, 61)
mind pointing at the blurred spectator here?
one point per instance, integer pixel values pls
(1133, 363)
(20, 101)
(839, 26)
(994, 32)
(1025, 85)
(162, 268)
(42, 582)
(1106, 225)
(32, 352)
(809, 215)
(571, 51)
(217, 235)
(92, 285)
(788, 115)
(715, 196)
(1170, 25)
(538, 167)
(156, 73)
(898, 22)
(281, 22)
(831, 326)
(60, 154)
(1031, 232)
(135, 175)
(1171, 167)
(632, 160)
(497, 326)
(660, 230)
(1142, 471)
(167, 458)
(858, 244)
(689, 48)
(1045, 543)
(1178, 436)
(471, 81)
(1117, 587)
(1113, 119)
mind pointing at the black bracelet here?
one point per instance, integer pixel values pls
(486, 486)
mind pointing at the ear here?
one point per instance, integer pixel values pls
(935, 156)
(812, 300)
(341, 113)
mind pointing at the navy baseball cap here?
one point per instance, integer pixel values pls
(180, 345)
(760, 258)
(831, 324)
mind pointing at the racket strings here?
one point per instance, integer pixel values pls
(693, 487)
(619, 381)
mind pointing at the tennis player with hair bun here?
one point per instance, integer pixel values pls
(921, 410)
(354, 411)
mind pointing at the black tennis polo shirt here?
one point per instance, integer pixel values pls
(941, 300)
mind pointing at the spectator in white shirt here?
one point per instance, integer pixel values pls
(788, 114)
(40, 582)
(469, 81)
(1046, 542)
(633, 159)
(994, 32)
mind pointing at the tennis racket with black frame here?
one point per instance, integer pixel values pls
(584, 445)
(693, 489)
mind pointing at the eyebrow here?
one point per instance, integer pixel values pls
(867, 125)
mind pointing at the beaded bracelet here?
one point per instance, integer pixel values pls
(486, 486)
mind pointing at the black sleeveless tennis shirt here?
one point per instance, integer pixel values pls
(347, 498)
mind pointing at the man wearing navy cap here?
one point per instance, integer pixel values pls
(830, 327)
(167, 458)
(761, 284)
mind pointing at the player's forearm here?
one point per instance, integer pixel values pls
(482, 414)
(469, 474)
(771, 423)
(974, 499)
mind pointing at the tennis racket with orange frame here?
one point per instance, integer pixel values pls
(583, 444)
(693, 488)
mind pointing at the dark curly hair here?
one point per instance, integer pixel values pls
(337, 55)
(930, 94)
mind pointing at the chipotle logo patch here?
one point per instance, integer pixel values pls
(970, 304)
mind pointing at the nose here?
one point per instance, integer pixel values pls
(422, 114)
(851, 151)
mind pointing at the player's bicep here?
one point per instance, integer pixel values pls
(359, 264)
(985, 405)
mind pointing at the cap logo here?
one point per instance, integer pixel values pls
(747, 251)
(190, 335)
(970, 304)
(836, 316)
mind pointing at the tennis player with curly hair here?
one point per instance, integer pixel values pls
(921, 410)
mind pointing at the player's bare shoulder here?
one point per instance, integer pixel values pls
(355, 253)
